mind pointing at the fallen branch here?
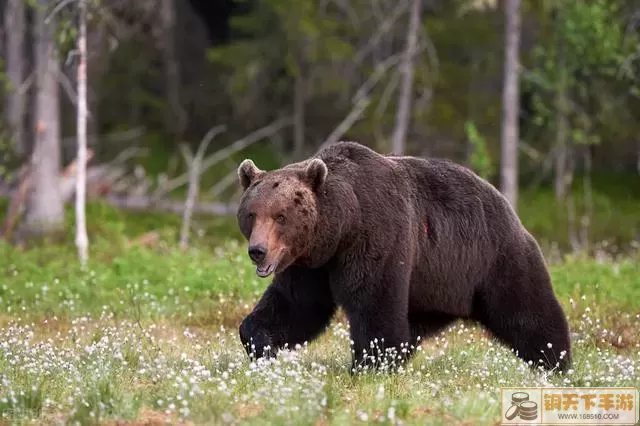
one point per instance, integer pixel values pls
(145, 203)
(19, 196)
(141, 203)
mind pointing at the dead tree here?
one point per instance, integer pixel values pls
(403, 114)
(194, 163)
(82, 240)
(510, 105)
(45, 211)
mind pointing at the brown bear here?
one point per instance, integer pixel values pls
(404, 245)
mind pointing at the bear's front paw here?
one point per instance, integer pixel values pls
(256, 341)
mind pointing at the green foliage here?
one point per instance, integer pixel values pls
(480, 158)
(591, 36)
(66, 34)
(277, 35)
(580, 60)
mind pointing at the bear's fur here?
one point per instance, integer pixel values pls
(404, 245)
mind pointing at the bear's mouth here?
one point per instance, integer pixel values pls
(265, 271)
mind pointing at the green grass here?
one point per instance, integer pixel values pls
(167, 282)
(149, 334)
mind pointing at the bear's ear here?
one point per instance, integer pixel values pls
(315, 174)
(248, 172)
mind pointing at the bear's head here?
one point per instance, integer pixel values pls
(278, 212)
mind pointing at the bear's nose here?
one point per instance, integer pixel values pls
(257, 253)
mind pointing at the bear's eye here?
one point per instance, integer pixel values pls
(281, 219)
(251, 216)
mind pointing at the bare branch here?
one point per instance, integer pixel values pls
(26, 84)
(383, 28)
(386, 94)
(57, 9)
(68, 89)
(224, 153)
(224, 183)
(212, 133)
(361, 98)
(348, 122)
(186, 153)
(127, 154)
(194, 163)
(380, 71)
(405, 99)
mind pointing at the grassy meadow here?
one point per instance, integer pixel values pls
(148, 335)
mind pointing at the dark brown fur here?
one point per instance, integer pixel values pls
(404, 245)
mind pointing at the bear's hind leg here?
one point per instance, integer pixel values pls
(296, 307)
(520, 308)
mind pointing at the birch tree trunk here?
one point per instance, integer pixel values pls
(82, 241)
(14, 29)
(403, 113)
(510, 105)
(45, 211)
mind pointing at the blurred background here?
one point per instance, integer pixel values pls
(540, 97)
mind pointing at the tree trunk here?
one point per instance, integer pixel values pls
(403, 114)
(176, 119)
(82, 241)
(572, 231)
(45, 211)
(587, 214)
(14, 28)
(562, 120)
(510, 104)
(298, 116)
(562, 131)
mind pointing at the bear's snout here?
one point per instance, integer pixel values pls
(257, 253)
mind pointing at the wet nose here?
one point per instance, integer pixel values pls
(257, 253)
